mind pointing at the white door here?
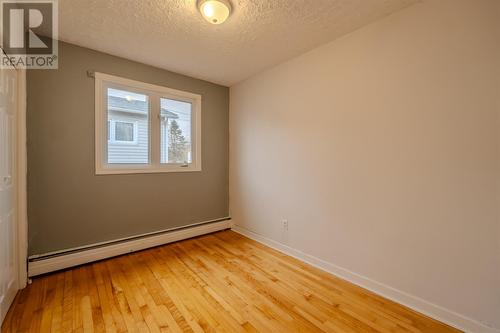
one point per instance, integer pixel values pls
(9, 271)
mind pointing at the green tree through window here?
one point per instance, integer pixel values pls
(176, 144)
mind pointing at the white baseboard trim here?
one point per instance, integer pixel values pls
(434, 311)
(62, 261)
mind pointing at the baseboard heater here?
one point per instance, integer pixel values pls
(54, 261)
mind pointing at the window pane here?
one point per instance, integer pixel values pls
(175, 131)
(128, 127)
(124, 131)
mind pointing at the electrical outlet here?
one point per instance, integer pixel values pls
(284, 224)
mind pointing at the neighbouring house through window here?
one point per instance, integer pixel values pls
(122, 131)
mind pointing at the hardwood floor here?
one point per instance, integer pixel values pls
(221, 282)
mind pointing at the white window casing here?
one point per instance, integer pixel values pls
(154, 94)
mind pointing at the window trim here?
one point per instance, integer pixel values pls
(154, 93)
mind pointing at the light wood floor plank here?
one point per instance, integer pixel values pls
(222, 282)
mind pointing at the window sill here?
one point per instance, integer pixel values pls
(131, 170)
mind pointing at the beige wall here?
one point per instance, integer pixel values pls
(68, 205)
(382, 149)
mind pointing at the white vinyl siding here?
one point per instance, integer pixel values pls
(135, 152)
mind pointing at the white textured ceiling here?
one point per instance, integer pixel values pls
(172, 34)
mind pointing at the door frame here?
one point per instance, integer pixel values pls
(21, 173)
(21, 180)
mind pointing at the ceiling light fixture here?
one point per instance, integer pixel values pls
(215, 11)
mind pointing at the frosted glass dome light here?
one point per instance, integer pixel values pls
(215, 11)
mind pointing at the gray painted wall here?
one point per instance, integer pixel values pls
(68, 205)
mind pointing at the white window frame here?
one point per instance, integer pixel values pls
(155, 93)
(112, 134)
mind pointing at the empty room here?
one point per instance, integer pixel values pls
(273, 166)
